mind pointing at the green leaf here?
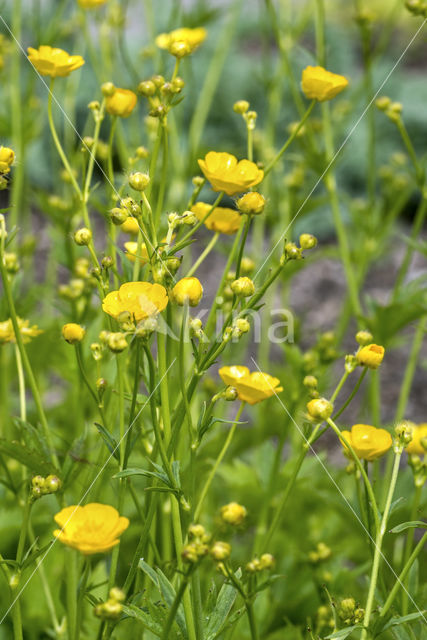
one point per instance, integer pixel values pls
(29, 559)
(110, 442)
(403, 619)
(344, 633)
(219, 615)
(144, 617)
(415, 524)
(30, 458)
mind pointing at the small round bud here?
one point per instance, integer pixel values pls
(364, 338)
(101, 385)
(241, 106)
(253, 566)
(230, 394)
(220, 551)
(118, 215)
(116, 342)
(241, 325)
(198, 181)
(310, 382)
(73, 333)
(187, 291)
(83, 236)
(146, 88)
(158, 80)
(108, 89)
(252, 203)
(139, 181)
(107, 262)
(307, 241)
(320, 408)
(292, 252)
(52, 484)
(117, 595)
(247, 265)
(142, 152)
(94, 105)
(233, 513)
(37, 481)
(266, 561)
(382, 103)
(196, 531)
(96, 350)
(177, 85)
(179, 49)
(243, 287)
(11, 262)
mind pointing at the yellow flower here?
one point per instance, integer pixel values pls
(121, 103)
(369, 443)
(370, 356)
(53, 62)
(73, 333)
(188, 291)
(131, 226)
(91, 4)
(192, 38)
(7, 156)
(320, 84)
(7, 334)
(233, 513)
(94, 528)
(140, 299)
(132, 251)
(251, 387)
(419, 438)
(221, 219)
(225, 173)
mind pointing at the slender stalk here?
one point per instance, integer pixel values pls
(25, 360)
(378, 545)
(352, 394)
(218, 461)
(203, 255)
(17, 102)
(411, 366)
(408, 546)
(174, 608)
(21, 382)
(291, 138)
(252, 620)
(71, 576)
(247, 226)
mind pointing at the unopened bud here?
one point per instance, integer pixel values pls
(83, 236)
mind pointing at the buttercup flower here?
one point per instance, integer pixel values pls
(7, 156)
(320, 84)
(188, 291)
(226, 174)
(221, 219)
(370, 356)
(251, 203)
(121, 103)
(7, 334)
(94, 528)
(369, 443)
(53, 62)
(73, 333)
(140, 299)
(131, 226)
(251, 387)
(132, 252)
(418, 444)
(192, 38)
(91, 4)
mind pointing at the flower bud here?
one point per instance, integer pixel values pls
(364, 338)
(252, 203)
(116, 342)
(96, 350)
(310, 382)
(52, 484)
(132, 206)
(118, 215)
(146, 88)
(94, 105)
(177, 85)
(233, 513)
(179, 49)
(117, 595)
(241, 106)
(370, 356)
(266, 561)
(11, 262)
(404, 432)
(108, 89)
(196, 531)
(247, 265)
(7, 156)
(83, 236)
(292, 252)
(101, 386)
(243, 287)
(220, 551)
(198, 181)
(253, 566)
(187, 291)
(139, 181)
(307, 241)
(320, 408)
(37, 481)
(382, 103)
(73, 333)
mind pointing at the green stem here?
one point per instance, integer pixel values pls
(25, 360)
(408, 546)
(21, 381)
(400, 581)
(352, 394)
(23, 531)
(411, 366)
(378, 544)
(71, 575)
(218, 461)
(243, 244)
(174, 608)
(204, 254)
(58, 144)
(252, 620)
(291, 138)
(17, 133)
